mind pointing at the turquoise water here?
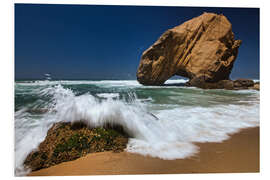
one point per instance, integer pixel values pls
(26, 94)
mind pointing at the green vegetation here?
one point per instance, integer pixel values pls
(66, 142)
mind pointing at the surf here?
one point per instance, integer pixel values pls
(167, 133)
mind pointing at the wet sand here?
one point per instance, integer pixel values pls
(238, 154)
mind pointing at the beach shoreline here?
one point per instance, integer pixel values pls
(239, 154)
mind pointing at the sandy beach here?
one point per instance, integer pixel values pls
(238, 154)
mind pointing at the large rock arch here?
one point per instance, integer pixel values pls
(201, 48)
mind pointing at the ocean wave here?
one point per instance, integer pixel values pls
(169, 134)
(108, 95)
(103, 83)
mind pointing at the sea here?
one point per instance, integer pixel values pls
(163, 121)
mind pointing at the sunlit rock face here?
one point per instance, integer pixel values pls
(203, 47)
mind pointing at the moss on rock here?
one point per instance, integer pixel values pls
(66, 142)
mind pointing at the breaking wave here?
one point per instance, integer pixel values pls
(169, 134)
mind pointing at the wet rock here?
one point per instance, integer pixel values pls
(243, 83)
(66, 142)
(201, 83)
(224, 84)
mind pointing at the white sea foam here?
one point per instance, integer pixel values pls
(103, 83)
(169, 134)
(107, 83)
(256, 80)
(68, 82)
(108, 95)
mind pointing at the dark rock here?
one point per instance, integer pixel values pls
(243, 83)
(223, 84)
(201, 83)
(226, 84)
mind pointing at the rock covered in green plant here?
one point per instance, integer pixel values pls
(66, 142)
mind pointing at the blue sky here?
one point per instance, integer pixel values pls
(106, 42)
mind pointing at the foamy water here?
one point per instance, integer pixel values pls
(182, 115)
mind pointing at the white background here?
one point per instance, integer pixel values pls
(7, 84)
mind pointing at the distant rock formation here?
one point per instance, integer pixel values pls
(225, 84)
(202, 49)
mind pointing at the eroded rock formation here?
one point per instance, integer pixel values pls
(202, 48)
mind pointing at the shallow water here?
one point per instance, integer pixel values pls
(164, 121)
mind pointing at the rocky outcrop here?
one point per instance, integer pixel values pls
(224, 84)
(67, 142)
(240, 83)
(202, 49)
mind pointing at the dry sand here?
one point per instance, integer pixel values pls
(240, 153)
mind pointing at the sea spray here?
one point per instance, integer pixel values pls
(163, 121)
